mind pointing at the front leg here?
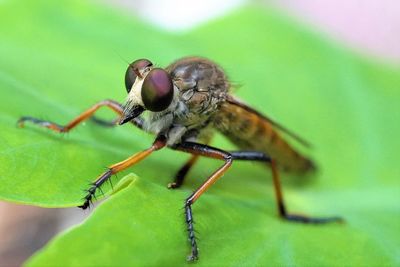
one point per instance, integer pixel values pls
(113, 105)
(159, 143)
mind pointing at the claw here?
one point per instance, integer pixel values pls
(172, 185)
(85, 205)
(192, 257)
(88, 199)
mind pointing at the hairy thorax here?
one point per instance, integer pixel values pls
(200, 88)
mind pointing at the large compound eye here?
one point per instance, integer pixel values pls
(130, 77)
(157, 90)
(134, 70)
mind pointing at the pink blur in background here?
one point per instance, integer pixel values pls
(370, 27)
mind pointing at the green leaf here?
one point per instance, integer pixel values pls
(56, 62)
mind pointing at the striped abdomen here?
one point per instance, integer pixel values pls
(249, 130)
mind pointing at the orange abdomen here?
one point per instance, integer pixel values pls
(250, 131)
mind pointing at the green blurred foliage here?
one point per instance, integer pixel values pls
(58, 58)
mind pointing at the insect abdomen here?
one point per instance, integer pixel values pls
(249, 131)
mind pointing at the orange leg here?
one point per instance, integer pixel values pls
(120, 166)
(117, 108)
(113, 105)
(281, 205)
(228, 157)
(207, 151)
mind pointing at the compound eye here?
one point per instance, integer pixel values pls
(130, 77)
(157, 90)
(135, 69)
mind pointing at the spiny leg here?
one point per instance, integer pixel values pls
(282, 208)
(113, 105)
(120, 166)
(180, 175)
(228, 157)
(207, 151)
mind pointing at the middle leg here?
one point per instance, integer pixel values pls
(180, 175)
(183, 171)
(201, 150)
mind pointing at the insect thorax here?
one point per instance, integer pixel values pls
(200, 88)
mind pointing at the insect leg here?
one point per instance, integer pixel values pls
(228, 157)
(205, 138)
(105, 123)
(180, 175)
(120, 166)
(258, 156)
(113, 105)
(282, 208)
(207, 151)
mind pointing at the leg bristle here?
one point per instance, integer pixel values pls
(191, 233)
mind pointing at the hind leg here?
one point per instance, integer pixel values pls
(282, 207)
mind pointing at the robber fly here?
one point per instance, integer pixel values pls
(185, 104)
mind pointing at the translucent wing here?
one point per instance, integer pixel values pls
(235, 101)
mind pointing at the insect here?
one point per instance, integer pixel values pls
(186, 103)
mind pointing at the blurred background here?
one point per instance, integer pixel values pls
(367, 26)
(370, 28)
